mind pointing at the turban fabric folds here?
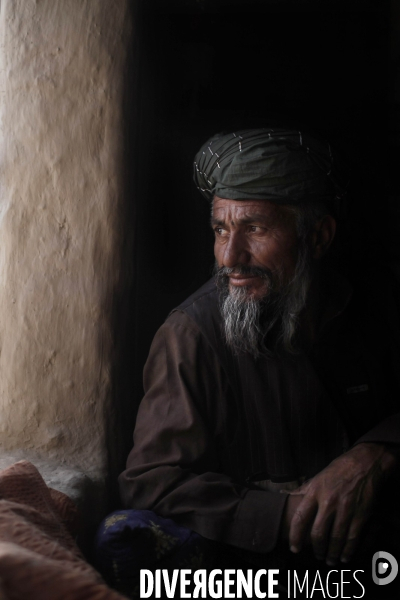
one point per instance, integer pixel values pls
(281, 165)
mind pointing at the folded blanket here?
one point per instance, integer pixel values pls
(39, 559)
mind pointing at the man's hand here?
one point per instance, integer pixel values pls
(333, 507)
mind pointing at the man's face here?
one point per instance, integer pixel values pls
(255, 233)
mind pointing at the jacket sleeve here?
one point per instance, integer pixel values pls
(173, 468)
(385, 432)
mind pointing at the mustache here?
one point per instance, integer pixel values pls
(222, 273)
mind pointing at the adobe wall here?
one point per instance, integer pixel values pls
(62, 221)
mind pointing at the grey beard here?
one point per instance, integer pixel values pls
(248, 320)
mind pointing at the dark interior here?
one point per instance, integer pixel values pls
(203, 66)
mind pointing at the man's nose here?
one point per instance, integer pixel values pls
(235, 251)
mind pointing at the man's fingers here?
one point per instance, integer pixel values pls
(338, 536)
(301, 523)
(336, 503)
(335, 536)
(352, 540)
(320, 534)
(349, 549)
(329, 531)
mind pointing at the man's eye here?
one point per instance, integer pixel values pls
(256, 229)
(219, 231)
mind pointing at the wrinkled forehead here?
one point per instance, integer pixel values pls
(250, 210)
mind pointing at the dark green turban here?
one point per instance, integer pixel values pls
(280, 165)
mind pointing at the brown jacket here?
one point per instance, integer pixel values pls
(213, 425)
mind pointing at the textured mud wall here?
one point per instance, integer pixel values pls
(61, 223)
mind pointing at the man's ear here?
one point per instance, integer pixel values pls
(322, 235)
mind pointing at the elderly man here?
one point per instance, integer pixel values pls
(267, 419)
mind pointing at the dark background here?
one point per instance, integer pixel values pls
(199, 67)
